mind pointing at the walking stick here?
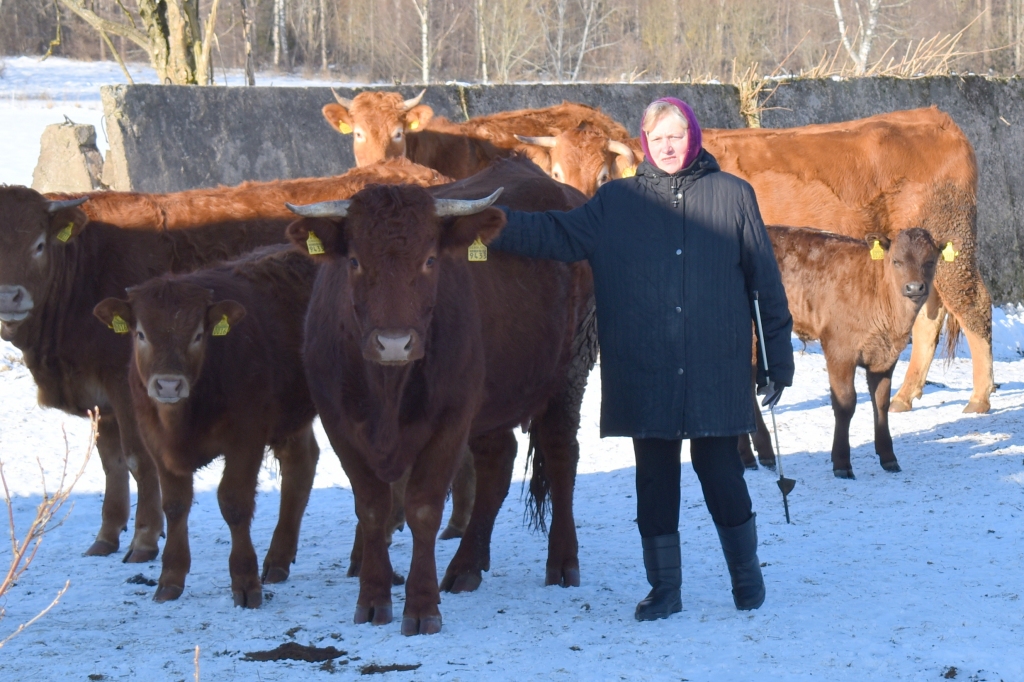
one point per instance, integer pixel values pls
(786, 485)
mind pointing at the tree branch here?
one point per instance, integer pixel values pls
(105, 25)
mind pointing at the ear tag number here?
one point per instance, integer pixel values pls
(344, 128)
(222, 327)
(414, 125)
(877, 252)
(119, 325)
(314, 245)
(65, 234)
(949, 254)
(477, 251)
(629, 172)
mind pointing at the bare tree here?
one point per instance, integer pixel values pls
(480, 39)
(422, 8)
(867, 27)
(279, 32)
(250, 56)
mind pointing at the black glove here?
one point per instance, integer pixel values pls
(771, 392)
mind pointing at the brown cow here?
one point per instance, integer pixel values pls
(383, 125)
(216, 370)
(473, 350)
(860, 299)
(56, 265)
(584, 157)
(879, 174)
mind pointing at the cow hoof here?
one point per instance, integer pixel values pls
(843, 473)
(569, 577)
(899, 405)
(977, 407)
(101, 548)
(430, 625)
(353, 570)
(397, 579)
(377, 615)
(275, 574)
(767, 463)
(891, 467)
(463, 582)
(450, 533)
(140, 556)
(750, 466)
(166, 593)
(249, 599)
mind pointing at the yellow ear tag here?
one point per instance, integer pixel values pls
(414, 125)
(948, 254)
(477, 251)
(119, 325)
(344, 128)
(65, 234)
(314, 245)
(222, 327)
(877, 252)
(629, 172)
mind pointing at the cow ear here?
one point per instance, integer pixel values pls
(67, 223)
(418, 117)
(116, 314)
(222, 316)
(462, 231)
(338, 117)
(318, 237)
(539, 155)
(883, 240)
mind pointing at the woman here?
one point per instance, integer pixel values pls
(678, 252)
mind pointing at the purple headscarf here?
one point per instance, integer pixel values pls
(693, 143)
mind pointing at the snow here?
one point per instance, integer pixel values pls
(889, 576)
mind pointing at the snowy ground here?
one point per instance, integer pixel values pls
(889, 576)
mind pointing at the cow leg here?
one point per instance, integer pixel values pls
(396, 522)
(844, 403)
(463, 492)
(762, 439)
(116, 496)
(149, 518)
(746, 453)
(237, 497)
(981, 360)
(494, 457)
(925, 336)
(879, 386)
(298, 456)
(177, 559)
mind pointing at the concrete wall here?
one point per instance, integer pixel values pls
(991, 114)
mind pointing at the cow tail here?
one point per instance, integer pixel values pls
(952, 336)
(535, 515)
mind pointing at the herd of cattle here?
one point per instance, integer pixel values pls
(243, 321)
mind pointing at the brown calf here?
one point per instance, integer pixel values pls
(216, 370)
(57, 261)
(860, 299)
(411, 351)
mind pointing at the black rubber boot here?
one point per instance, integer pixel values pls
(739, 545)
(665, 574)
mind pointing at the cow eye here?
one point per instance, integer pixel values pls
(353, 263)
(602, 178)
(198, 337)
(430, 262)
(140, 336)
(358, 135)
(397, 136)
(39, 246)
(897, 263)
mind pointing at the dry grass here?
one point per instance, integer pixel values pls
(23, 550)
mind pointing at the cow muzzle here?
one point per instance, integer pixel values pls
(915, 291)
(168, 388)
(15, 303)
(393, 347)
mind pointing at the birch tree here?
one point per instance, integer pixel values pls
(422, 8)
(866, 32)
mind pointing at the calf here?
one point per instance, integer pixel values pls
(410, 351)
(216, 370)
(860, 299)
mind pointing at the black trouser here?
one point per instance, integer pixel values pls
(719, 468)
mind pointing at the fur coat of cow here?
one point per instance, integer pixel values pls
(676, 260)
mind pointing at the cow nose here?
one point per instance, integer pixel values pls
(392, 346)
(15, 302)
(915, 289)
(168, 388)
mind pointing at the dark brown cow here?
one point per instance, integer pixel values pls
(216, 370)
(879, 174)
(860, 299)
(56, 265)
(383, 125)
(411, 350)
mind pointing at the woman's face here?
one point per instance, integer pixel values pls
(667, 141)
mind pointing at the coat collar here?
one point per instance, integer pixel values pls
(704, 164)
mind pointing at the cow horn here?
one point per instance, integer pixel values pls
(410, 103)
(539, 141)
(347, 103)
(450, 207)
(323, 209)
(621, 149)
(54, 206)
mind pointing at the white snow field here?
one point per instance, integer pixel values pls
(907, 576)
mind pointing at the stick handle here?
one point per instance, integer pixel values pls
(760, 334)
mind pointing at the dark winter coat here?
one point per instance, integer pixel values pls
(676, 259)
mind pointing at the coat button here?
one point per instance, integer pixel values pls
(679, 252)
(680, 370)
(678, 309)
